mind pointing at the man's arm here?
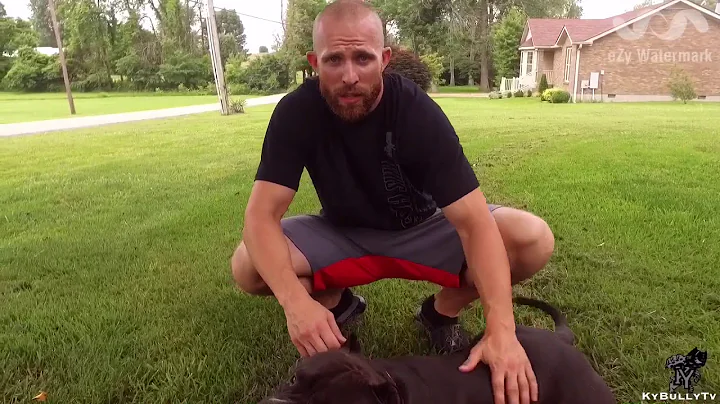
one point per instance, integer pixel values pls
(488, 265)
(282, 161)
(265, 241)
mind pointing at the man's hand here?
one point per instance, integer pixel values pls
(509, 366)
(312, 327)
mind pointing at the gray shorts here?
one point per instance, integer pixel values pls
(342, 257)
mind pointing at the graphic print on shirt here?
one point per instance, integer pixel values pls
(403, 198)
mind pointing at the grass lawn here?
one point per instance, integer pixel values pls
(115, 244)
(34, 107)
(458, 89)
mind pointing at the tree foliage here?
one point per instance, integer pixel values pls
(506, 37)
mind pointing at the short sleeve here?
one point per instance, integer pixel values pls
(282, 159)
(431, 153)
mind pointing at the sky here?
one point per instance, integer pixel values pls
(260, 32)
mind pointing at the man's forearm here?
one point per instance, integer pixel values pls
(269, 252)
(489, 269)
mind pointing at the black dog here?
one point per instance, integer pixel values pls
(563, 374)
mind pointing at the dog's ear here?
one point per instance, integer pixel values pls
(387, 391)
(352, 344)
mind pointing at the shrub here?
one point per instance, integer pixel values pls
(33, 71)
(543, 84)
(519, 94)
(267, 74)
(434, 63)
(238, 89)
(494, 95)
(183, 68)
(408, 65)
(237, 106)
(555, 96)
(529, 93)
(681, 86)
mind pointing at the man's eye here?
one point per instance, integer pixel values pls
(293, 380)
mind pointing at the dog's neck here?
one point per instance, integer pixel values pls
(385, 368)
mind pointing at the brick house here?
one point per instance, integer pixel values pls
(628, 57)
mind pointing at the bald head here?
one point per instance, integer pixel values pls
(349, 56)
(350, 12)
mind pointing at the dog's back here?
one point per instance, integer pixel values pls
(563, 373)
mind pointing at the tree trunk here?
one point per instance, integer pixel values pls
(473, 46)
(484, 41)
(452, 71)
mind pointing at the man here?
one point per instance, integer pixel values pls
(399, 200)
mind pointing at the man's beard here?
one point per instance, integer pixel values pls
(351, 112)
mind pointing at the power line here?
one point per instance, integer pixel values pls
(246, 15)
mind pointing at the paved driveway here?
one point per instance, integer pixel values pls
(52, 125)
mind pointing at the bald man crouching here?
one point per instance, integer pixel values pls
(399, 200)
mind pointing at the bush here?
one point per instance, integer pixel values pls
(681, 86)
(192, 71)
(434, 62)
(494, 95)
(555, 96)
(33, 71)
(543, 84)
(408, 65)
(529, 93)
(237, 106)
(519, 94)
(266, 75)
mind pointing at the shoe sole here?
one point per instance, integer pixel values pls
(355, 320)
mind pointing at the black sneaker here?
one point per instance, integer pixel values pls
(443, 339)
(352, 318)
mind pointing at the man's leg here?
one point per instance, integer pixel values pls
(529, 242)
(322, 247)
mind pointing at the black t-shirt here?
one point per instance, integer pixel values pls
(390, 171)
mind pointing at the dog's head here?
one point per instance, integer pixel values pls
(334, 377)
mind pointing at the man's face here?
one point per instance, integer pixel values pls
(349, 60)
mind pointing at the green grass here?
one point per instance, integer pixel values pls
(458, 89)
(16, 107)
(115, 246)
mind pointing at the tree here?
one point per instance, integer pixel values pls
(506, 36)
(681, 85)
(232, 33)
(41, 22)
(263, 49)
(298, 33)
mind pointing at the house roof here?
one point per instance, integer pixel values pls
(547, 31)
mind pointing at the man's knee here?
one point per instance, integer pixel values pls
(246, 277)
(528, 238)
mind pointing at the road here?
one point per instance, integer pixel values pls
(52, 125)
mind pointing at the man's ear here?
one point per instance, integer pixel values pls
(386, 56)
(312, 59)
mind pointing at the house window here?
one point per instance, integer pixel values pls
(568, 58)
(529, 62)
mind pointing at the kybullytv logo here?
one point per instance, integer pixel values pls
(685, 375)
(675, 27)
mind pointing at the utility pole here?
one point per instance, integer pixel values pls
(56, 28)
(215, 56)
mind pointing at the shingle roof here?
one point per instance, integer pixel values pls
(545, 31)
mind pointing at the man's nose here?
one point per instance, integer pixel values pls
(350, 76)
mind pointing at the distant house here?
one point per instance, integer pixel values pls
(628, 57)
